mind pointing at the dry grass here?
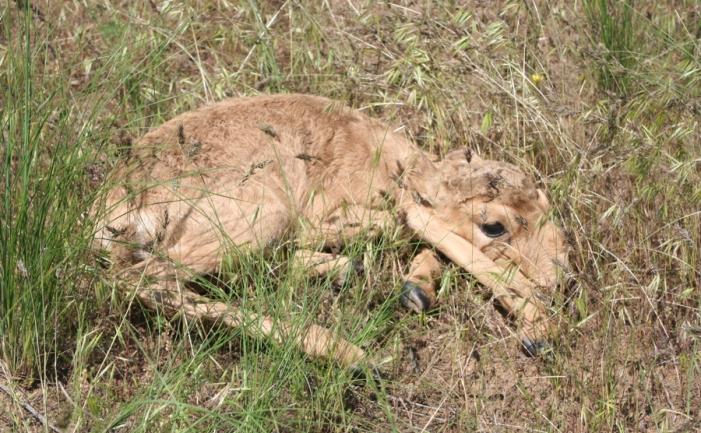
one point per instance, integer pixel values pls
(600, 100)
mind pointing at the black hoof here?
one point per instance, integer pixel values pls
(358, 266)
(363, 374)
(535, 348)
(355, 268)
(414, 298)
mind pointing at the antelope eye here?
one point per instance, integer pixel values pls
(493, 230)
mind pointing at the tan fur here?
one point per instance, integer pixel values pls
(250, 171)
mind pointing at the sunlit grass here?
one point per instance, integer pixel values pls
(599, 101)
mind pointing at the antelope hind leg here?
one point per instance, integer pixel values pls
(318, 342)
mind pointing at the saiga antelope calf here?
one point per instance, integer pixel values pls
(249, 171)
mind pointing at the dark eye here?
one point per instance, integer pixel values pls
(493, 230)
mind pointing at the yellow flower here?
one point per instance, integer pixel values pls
(536, 79)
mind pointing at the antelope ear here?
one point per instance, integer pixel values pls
(463, 175)
(465, 154)
(423, 178)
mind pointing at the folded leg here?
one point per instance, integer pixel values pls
(158, 280)
(419, 289)
(320, 264)
(511, 289)
(334, 231)
(345, 223)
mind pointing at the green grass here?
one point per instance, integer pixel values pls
(611, 130)
(41, 207)
(613, 25)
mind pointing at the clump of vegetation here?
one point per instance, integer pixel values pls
(601, 100)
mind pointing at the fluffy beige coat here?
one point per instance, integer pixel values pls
(247, 172)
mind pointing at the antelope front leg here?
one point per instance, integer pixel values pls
(332, 232)
(515, 292)
(320, 264)
(336, 229)
(419, 288)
